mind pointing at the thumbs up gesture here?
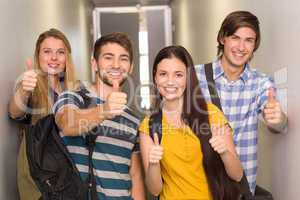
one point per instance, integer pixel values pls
(115, 102)
(29, 79)
(221, 140)
(156, 152)
(272, 111)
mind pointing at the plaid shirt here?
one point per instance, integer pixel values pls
(242, 101)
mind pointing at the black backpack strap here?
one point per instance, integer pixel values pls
(215, 99)
(209, 73)
(155, 125)
(245, 190)
(91, 141)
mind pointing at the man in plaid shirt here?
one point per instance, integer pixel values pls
(244, 92)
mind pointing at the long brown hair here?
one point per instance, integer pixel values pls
(41, 101)
(196, 116)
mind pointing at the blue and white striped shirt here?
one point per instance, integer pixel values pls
(242, 101)
(116, 141)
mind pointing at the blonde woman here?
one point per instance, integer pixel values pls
(51, 73)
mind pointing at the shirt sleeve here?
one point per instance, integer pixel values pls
(26, 118)
(215, 115)
(144, 126)
(68, 98)
(143, 129)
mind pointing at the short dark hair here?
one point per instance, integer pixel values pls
(117, 37)
(234, 21)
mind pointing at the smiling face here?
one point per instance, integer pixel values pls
(52, 56)
(170, 78)
(238, 48)
(113, 64)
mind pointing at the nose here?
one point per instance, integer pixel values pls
(116, 63)
(241, 45)
(54, 56)
(170, 80)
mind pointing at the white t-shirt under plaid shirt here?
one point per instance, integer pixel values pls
(242, 101)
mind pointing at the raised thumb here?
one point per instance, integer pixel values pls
(271, 94)
(29, 64)
(156, 139)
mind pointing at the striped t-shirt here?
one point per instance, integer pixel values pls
(116, 140)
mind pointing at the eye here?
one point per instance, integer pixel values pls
(250, 41)
(47, 51)
(125, 59)
(108, 57)
(234, 37)
(179, 75)
(162, 73)
(61, 52)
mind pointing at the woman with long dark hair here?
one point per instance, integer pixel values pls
(196, 157)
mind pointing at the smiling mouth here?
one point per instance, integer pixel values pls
(239, 55)
(170, 89)
(53, 66)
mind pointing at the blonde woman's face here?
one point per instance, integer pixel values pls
(52, 56)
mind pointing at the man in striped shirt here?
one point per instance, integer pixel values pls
(101, 109)
(244, 92)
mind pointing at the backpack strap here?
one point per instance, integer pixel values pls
(209, 73)
(90, 140)
(215, 99)
(92, 191)
(155, 125)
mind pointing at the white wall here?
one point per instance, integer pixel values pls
(21, 22)
(196, 26)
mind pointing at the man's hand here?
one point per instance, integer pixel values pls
(115, 102)
(272, 112)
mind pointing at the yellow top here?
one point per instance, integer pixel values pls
(181, 166)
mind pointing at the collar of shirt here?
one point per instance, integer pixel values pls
(218, 71)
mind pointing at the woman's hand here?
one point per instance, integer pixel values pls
(156, 151)
(29, 80)
(221, 139)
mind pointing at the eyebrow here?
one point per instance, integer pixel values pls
(162, 70)
(124, 55)
(46, 48)
(111, 54)
(252, 38)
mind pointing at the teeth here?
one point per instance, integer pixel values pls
(238, 54)
(53, 65)
(170, 89)
(115, 73)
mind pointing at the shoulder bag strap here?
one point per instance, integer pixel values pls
(245, 190)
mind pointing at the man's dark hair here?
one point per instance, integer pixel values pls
(117, 37)
(234, 21)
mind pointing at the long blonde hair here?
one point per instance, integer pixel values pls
(41, 101)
